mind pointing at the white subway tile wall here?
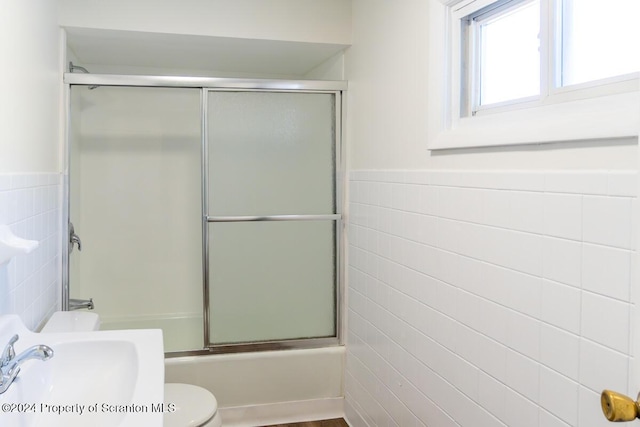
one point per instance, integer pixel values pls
(30, 285)
(488, 299)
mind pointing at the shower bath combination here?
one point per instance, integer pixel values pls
(229, 194)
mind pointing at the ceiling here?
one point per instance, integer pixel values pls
(214, 54)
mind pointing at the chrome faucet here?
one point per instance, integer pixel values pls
(77, 304)
(10, 363)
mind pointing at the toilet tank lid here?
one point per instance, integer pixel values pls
(72, 321)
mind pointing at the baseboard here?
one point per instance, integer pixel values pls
(282, 413)
(352, 415)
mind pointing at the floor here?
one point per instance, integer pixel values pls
(338, 422)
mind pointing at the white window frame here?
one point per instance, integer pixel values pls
(602, 109)
(469, 98)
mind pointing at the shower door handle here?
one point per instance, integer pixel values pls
(74, 238)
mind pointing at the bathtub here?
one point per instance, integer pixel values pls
(271, 387)
(256, 388)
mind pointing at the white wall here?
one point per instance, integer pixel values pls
(326, 21)
(331, 69)
(475, 276)
(388, 69)
(488, 299)
(30, 87)
(30, 284)
(30, 83)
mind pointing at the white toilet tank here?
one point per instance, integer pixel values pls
(72, 321)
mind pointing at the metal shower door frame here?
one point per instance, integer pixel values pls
(337, 217)
(207, 84)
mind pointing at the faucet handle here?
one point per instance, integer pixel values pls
(9, 352)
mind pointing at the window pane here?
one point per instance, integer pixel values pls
(599, 39)
(509, 54)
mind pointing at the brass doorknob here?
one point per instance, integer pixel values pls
(618, 407)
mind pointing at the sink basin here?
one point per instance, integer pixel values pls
(97, 379)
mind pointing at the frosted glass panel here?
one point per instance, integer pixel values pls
(135, 201)
(271, 281)
(271, 153)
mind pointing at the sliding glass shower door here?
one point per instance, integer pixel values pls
(272, 220)
(209, 209)
(135, 201)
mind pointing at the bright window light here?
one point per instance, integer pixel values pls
(599, 40)
(521, 51)
(509, 57)
(529, 71)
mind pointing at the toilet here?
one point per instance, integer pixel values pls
(194, 406)
(187, 405)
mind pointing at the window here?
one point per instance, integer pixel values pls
(532, 71)
(507, 47)
(597, 42)
(507, 60)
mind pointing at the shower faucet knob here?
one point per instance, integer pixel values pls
(74, 238)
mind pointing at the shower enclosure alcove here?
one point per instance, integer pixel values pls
(209, 208)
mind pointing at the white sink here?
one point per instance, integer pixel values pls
(97, 379)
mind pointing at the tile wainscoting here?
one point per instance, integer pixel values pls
(30, 284)
(488, 299)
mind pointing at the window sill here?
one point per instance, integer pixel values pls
(604, 117)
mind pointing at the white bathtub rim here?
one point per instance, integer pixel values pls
(150, 317)
(263, 378)
(251, 355)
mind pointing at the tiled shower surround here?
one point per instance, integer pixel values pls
(482, 299)
(30, 284)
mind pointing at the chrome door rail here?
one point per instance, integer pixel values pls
(250, 218)
(204, 173)
(292, 344)
(200, 82)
